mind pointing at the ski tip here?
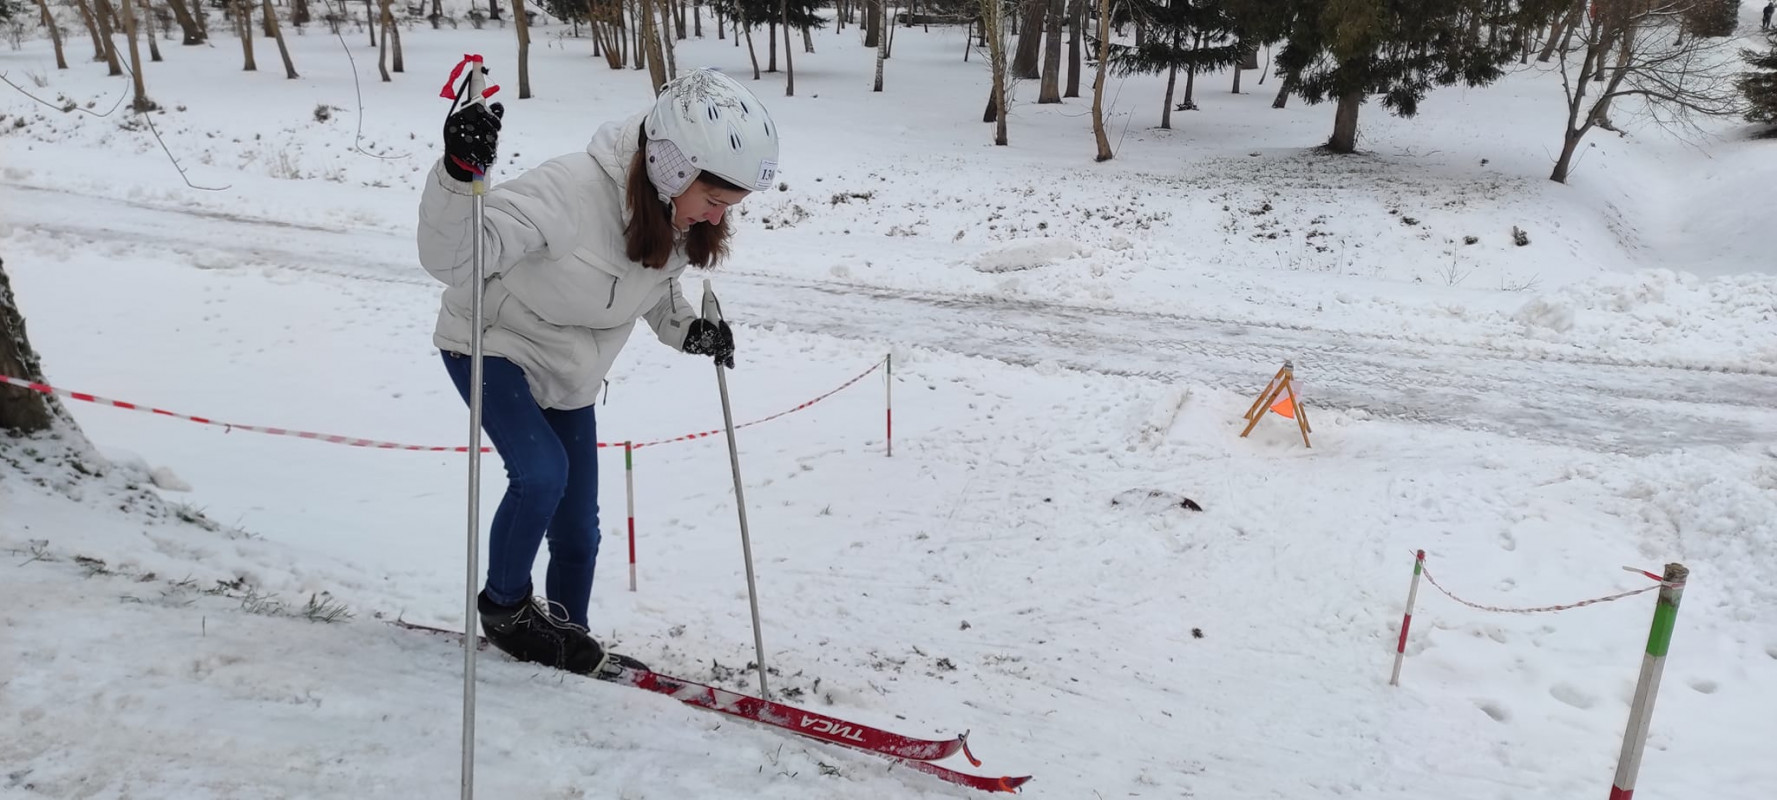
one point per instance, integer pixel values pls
(1010, 784)
(964, 739)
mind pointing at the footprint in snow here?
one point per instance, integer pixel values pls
(1498, 712)
(1573, 695)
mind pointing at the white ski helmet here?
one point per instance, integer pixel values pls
(705, 121)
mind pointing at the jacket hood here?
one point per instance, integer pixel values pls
(614, 146)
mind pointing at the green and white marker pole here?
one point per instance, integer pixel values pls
(1641, 712)
(1400, 648)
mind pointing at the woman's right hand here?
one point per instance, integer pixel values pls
(471, 135)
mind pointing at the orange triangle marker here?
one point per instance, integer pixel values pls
(1280, 398)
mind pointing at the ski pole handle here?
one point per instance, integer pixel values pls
(712, 308)
(475, 88)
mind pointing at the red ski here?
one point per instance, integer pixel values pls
(913, 752)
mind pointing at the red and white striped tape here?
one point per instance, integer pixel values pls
(689, 436)
(371, 443)
(1543, 609)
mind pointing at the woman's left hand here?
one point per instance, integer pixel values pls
(715, 340)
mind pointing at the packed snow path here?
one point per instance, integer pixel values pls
(1539, 393)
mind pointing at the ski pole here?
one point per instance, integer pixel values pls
(712, 312)
(473, 91)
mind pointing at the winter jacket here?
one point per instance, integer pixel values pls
(561, 295)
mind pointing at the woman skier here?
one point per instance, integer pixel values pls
(576, 250)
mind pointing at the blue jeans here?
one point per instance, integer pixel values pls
(552, 472)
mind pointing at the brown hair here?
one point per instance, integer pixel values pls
(650, 237)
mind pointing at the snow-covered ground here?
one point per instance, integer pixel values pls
(1073, 346)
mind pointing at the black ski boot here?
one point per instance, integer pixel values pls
(529, 632)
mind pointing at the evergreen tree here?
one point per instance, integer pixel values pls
(1347, 50)
(1760, 85)
(575, 11)
(1190, 35)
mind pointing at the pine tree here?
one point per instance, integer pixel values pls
(1347, 50)
(1760, 85)
(1190, 35)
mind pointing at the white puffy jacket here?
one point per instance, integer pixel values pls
(561, 294)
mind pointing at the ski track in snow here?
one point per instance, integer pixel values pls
(1593, 402)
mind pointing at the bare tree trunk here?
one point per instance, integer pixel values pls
(522, 21)
(193, 33)
(55, 35)
(22, 411)
(751, 53)
(873, 23)
(993, 29)
(369, 17)
(92, 27)
(1563, 165)
(882, 43)
(277, 32)
(881, 57)
(243, 27)
(153, 40)
(679, 20)
(1166, 111)
(1562, 35)
(382, 52)
(790, 62)
(1344, 139)
(396, 63)
(1283, 91)
(637, 41)
(140, 102)
(771, 41)
(104, 14)
(1076, 16)
(1171, 81)
(1191, 74)
(651, 41)
(267, 21)
(666, 43)
(1030, 40)
(1050, 92)
(888, 26)
(299, 13)
(493, 10)
(1104, 46)
(697, 19)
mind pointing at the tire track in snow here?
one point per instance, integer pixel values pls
(1594, 402)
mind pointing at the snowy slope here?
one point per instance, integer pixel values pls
(1073, 347)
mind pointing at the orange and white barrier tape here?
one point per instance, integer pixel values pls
(372, 443)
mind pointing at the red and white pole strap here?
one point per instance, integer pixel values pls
(888, 406)
(629, 491)
(1400, 648)
(1653, 663)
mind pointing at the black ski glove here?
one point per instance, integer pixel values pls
(470, 137)
(711, 339)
